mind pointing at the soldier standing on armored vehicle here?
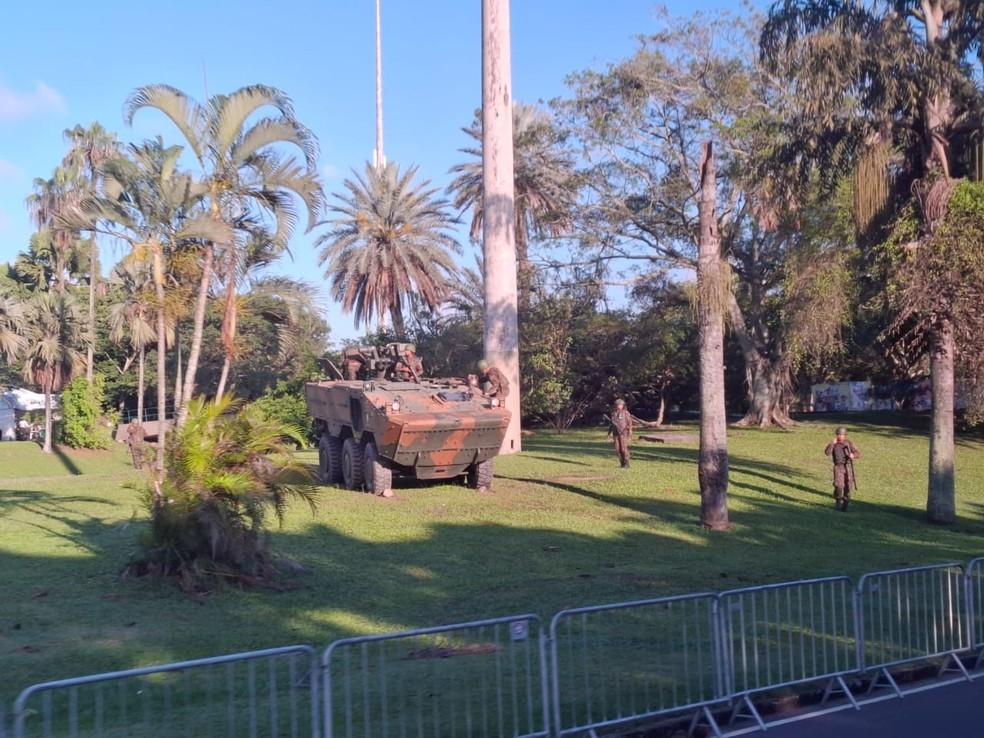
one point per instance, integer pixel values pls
(492, 381)
(621, 431)
(843, 453)
(408, 367)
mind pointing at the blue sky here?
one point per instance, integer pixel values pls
(77, 64)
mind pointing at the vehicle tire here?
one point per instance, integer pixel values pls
(330, 459)
(480, 476)
(378, 474)
(352, 468)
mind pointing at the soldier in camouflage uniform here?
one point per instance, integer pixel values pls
(843, 452)
(135, 440)
(621, 431)
(493, 381)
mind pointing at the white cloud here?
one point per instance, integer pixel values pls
(8, 170)
(16, 105)
(329, 171)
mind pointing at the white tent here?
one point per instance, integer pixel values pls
(16, 401)
(24, 400)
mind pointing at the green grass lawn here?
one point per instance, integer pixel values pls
(564, 527)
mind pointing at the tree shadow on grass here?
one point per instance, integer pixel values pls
(66, 461)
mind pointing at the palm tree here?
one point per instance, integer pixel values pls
(543, 181)
(156, 209)
(52, 358)
(51, 199)
(89, 148)
(390, 240)
(878, 76)
(231, 469)
(245, 178)
(132, 316)
(13, 328)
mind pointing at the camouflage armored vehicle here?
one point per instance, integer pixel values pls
(385, 419)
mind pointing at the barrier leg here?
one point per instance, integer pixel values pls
(837, 684)
(960, 667)
(750, 712)
(883, 673)
(708, 716)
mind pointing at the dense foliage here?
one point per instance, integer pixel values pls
(81, 407)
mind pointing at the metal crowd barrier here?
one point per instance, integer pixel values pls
(975, 607)
(910, 615)
(609, 665)
(613, 664)
(780, 635)
(487, 677)
(259, 693)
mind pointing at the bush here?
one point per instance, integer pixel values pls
(228, 469)
(285, 404)
(80, 408)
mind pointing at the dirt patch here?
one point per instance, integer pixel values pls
(447, 652)
(579, 479)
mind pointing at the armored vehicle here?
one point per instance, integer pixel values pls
(383, 418)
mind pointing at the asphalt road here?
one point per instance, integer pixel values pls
(953, 711)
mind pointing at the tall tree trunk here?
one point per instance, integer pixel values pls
(229, 318)
(662, 409)
(941, 500)
(177, 368)
(47, 417)
(161, 358)
(223, 377)
(196, 337)
(140, 383)
(712, 465)
(499, 222)
(399, 326)
(90, 352)
(766, 377)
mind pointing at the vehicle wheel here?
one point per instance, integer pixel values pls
(480, 476)
(330, 459)
(352, 469)
(379, 476)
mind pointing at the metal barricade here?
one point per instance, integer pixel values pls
(778, 635)
(259, 693)
(910, 615)
(482, 678)
(613, 664)
(975, 606)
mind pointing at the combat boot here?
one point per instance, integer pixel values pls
(843, 507)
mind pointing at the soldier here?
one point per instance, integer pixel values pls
(621, 431)
(493, 382)
(843, 452)
(408, 368)
(135, 440)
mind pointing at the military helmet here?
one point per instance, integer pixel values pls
(842, 431)
(619, 402)
(483, 365)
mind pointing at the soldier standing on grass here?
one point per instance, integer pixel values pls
(621, 431)
(843, 453)
(135, 440)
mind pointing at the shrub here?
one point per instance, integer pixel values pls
(80, 408)
(229, 468)
(285, 404)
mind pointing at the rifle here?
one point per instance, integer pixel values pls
(329, 362)
(854, 477)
